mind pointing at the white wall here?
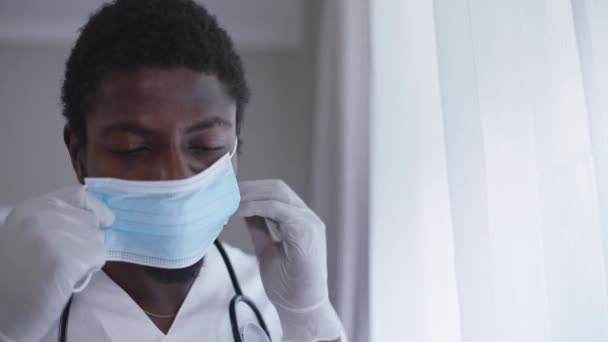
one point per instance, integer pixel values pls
(252, 24)
(33, 159)
(277, 131)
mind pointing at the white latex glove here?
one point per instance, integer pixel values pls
(49, 248)
(293, 270)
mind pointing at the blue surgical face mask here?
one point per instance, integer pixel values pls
(167, 224)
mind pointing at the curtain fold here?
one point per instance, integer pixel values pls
(592, 32)
(340, 156)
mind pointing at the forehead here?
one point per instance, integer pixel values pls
(169, 94)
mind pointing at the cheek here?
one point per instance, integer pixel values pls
(95, 166)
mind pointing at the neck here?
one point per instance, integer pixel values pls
(149, 293)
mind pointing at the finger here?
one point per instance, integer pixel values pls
(260, 236)
(104, 214)
(273, 230)
(271, 209)
(269, 189)
(294, 224)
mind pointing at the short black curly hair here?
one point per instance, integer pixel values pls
(126, 35)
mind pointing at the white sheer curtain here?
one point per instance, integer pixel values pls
(489, 170)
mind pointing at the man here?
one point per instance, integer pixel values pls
(154, 96)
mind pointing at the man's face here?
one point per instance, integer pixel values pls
(156, 124)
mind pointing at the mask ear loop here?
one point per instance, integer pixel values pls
(236, 145)
(230, 155)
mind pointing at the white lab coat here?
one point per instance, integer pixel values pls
(104, 312)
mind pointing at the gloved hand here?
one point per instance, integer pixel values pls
(294, 269)
(49, 248)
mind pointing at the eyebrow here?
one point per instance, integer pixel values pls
(123, 127)
(207, 124)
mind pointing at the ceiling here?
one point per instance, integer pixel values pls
(256, 24)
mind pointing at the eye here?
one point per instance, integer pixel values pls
(197, 149)
(129, 153)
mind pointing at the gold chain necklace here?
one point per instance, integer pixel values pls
(160, 316)
(173, 314)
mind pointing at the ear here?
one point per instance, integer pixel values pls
(76, 151)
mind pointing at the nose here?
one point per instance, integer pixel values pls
(172, 165)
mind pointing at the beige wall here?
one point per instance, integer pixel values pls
(33, 160)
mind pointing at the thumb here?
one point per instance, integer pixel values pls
(104, 214)
(79, 197)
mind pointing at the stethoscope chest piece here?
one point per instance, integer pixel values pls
(252, 332)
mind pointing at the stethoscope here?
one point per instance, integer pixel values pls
(239, 297)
